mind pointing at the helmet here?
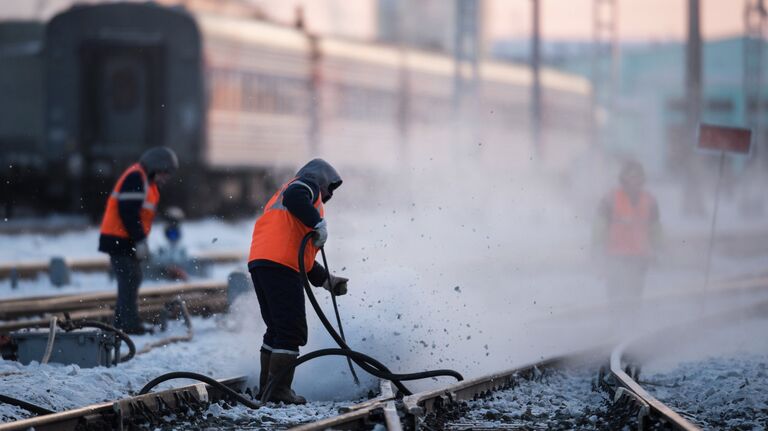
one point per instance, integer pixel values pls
(159, 159)
(174, 214)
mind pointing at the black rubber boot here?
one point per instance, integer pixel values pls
(282, 391)
(264, 372)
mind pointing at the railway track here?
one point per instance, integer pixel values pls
(202, 298)
(32, 268)
(617, 399)
(627, 357)
(131, 412)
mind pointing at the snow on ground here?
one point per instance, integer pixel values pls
(458, 279)
(215, 352)
(199, 236)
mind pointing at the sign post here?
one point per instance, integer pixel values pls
(722, 140)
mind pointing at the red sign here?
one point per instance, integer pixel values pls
(719, 138)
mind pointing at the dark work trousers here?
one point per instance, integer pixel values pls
(281, 299)
(127, 270)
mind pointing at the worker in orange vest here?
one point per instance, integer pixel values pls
(293, 211)
(628, 233)
(125, 227)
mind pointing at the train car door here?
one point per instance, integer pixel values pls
(122, 108)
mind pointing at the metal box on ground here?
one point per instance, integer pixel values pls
(90, 348)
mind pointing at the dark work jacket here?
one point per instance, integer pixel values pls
(129, 211)
(297, 199)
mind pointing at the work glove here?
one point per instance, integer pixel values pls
(321, 233)
(141, 249)
(336, 285)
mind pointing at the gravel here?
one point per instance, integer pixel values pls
(561, 398)
(727, 392)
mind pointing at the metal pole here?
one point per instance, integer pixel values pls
(693, 66)
(605, 55)
(754, 24)
(754, 44)
(536, 84)
(693, 197)
(466, 46)
(714, 219)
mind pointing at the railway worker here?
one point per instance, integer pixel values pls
(293, 211)
(628, 233)
(126, 224)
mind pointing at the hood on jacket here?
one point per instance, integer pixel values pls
(323, 174)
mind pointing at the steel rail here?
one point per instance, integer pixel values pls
(148, 311)
(353, 420)
(119, 414)
(648, 403)
(28, 269)
(391, 417)
(362, 414)
(647, 400)
(16, 308)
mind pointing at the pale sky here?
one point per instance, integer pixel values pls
(638, 19)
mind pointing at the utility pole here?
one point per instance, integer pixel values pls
(754, 26)
(605, 60)
(536, 81)
(754, 44)
(693, 68)
(466, 49)
(693, 201)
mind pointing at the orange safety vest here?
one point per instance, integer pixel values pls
(112, 224)
(629, 228)
(277, 234)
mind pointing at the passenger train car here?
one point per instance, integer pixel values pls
(244, 102)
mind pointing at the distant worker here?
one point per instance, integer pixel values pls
(124, 230)
(628, 233)
(293, 211)
(169, 261)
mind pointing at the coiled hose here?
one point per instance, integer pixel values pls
(367, 363)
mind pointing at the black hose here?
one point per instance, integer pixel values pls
(338, 317)
(365, 362)
(202, 378)
(357, 356)
(327, 324)
(25, 405)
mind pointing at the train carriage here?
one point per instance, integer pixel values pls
(244, 102)
(120, 78)
(260, 93)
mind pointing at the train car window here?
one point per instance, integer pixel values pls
(225, 90)
(364, 103)
(124, 89)
(257, 92)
